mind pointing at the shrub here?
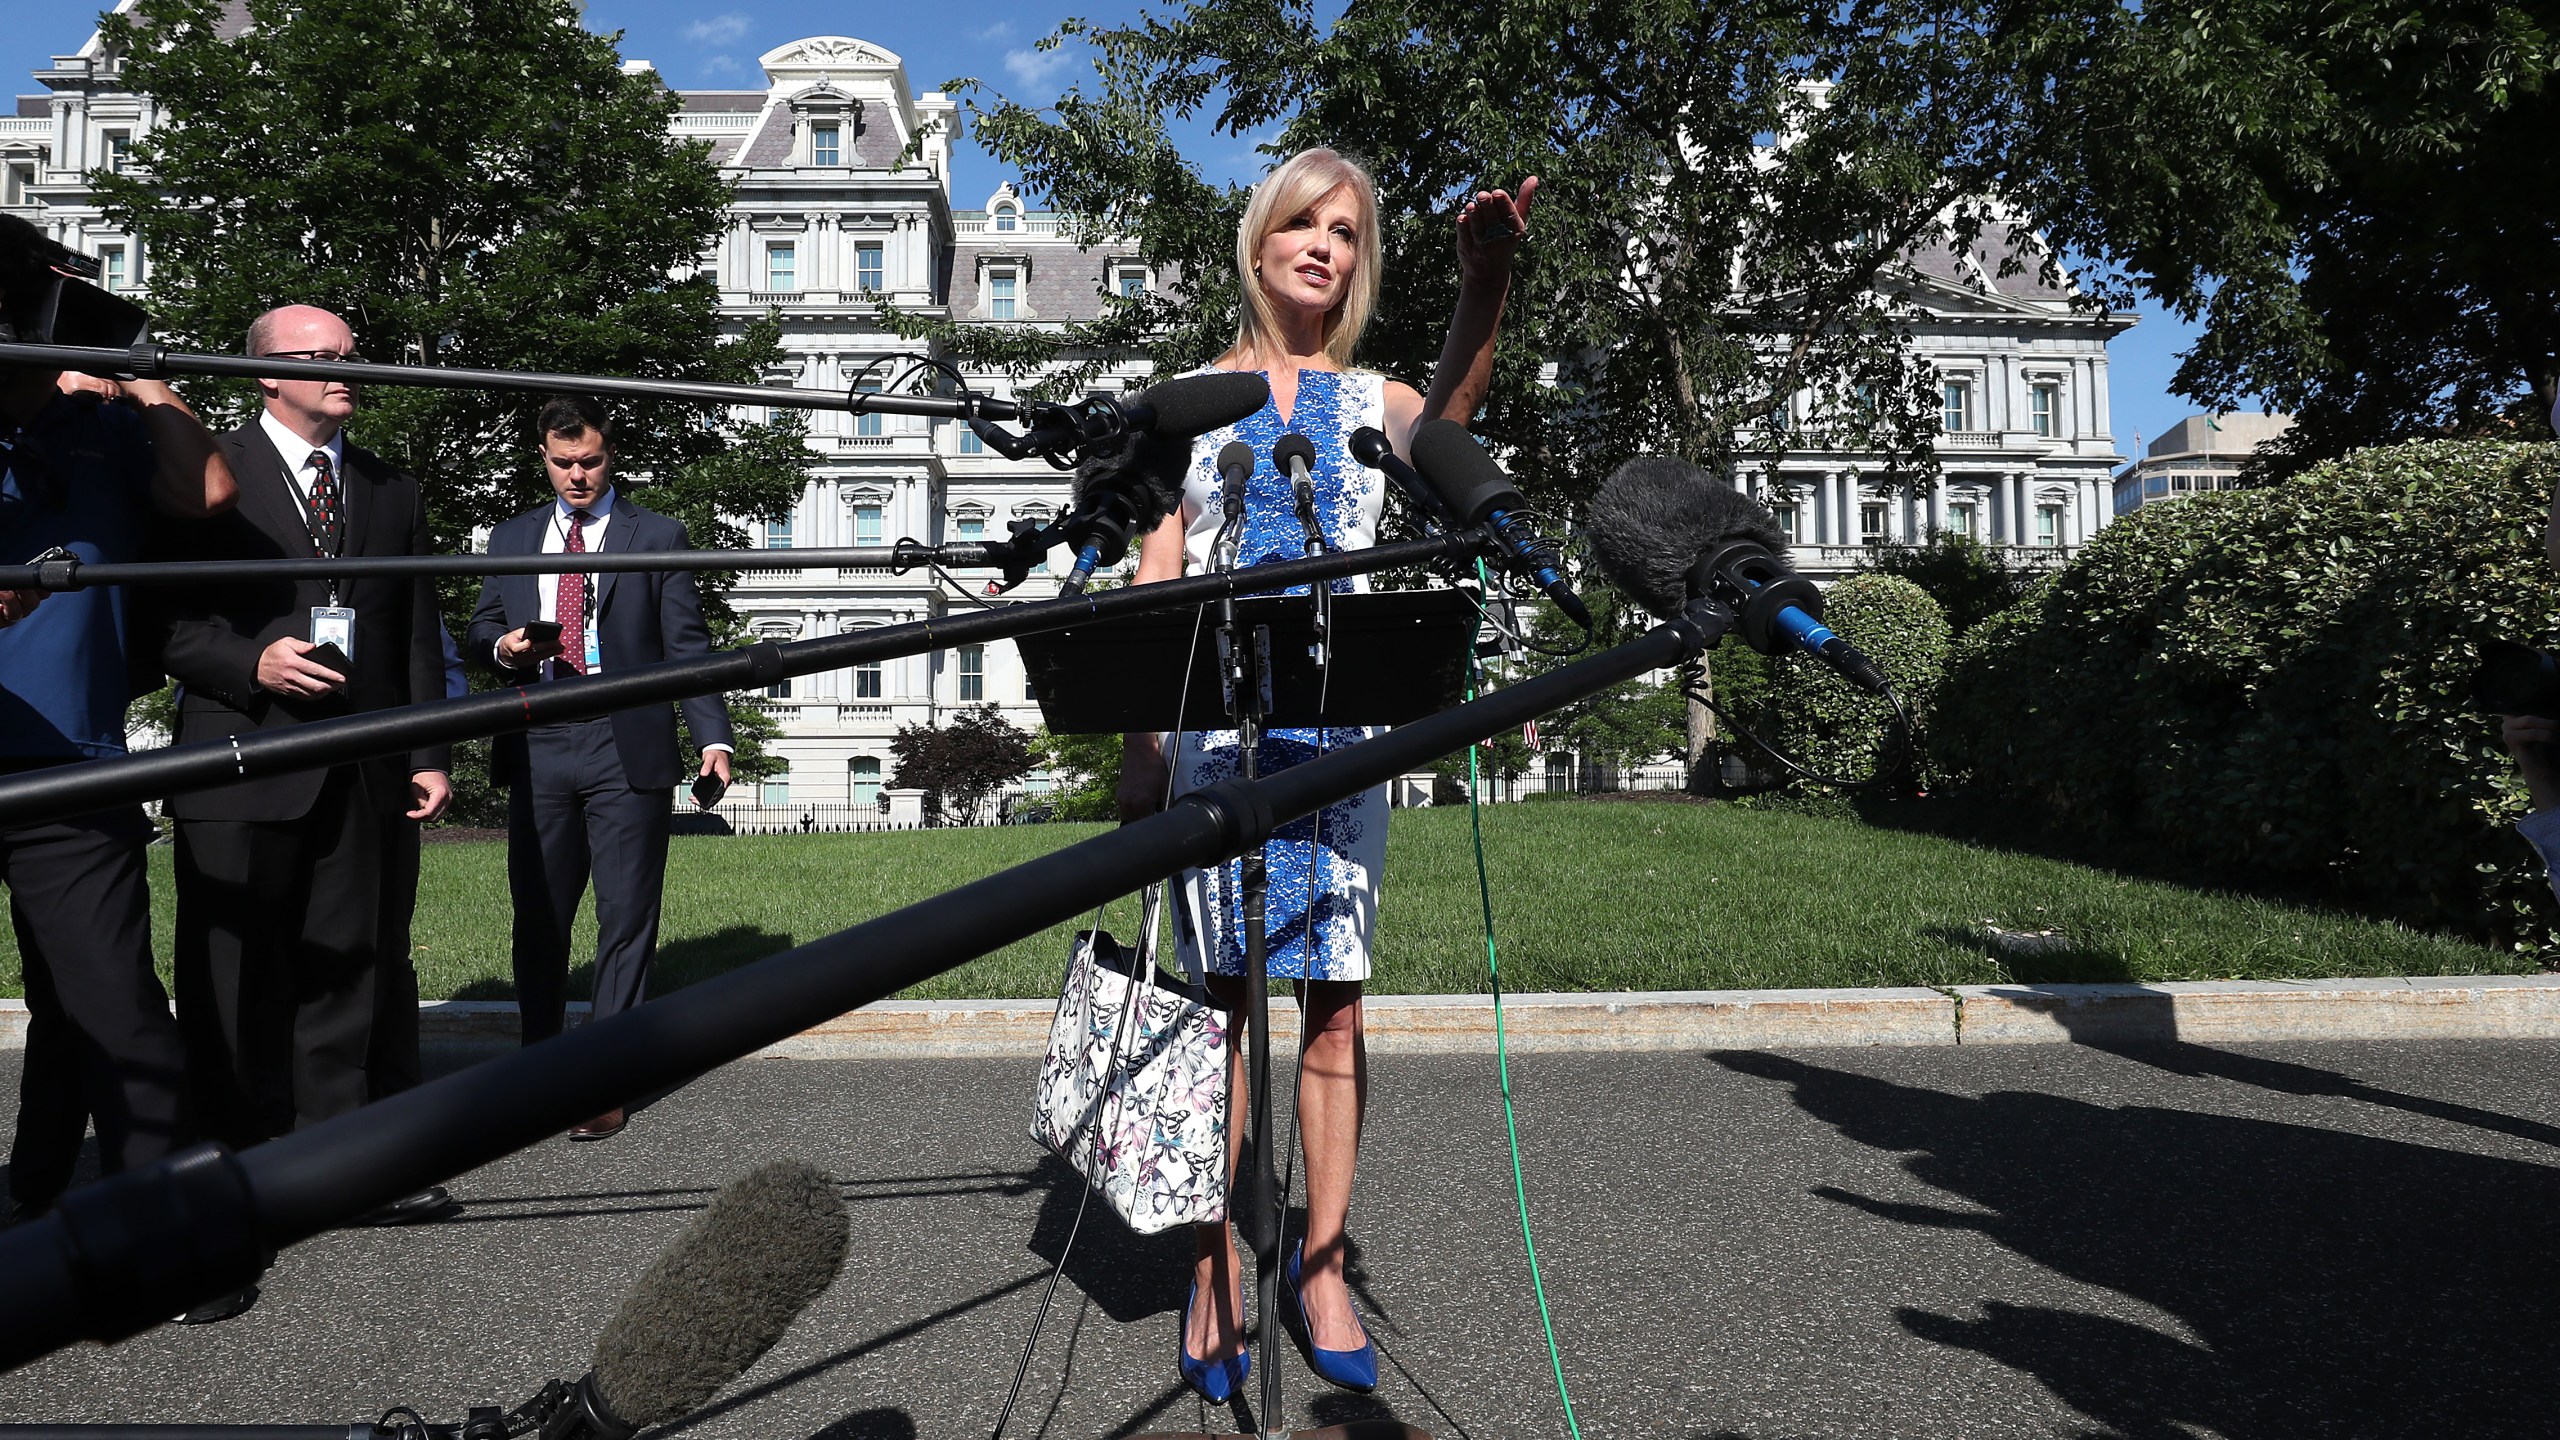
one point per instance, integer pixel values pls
(2275, 681)
(1970, 581)
(1830, 726)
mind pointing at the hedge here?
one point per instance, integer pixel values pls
(2275, 682)
(1829, 726)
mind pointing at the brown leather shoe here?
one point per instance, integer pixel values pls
(603, 1127)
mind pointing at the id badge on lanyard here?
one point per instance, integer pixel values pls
(334, 624)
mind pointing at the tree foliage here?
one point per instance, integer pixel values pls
(2275, 683)
(1723, 185)
(468, 185)
(1970, 581)
(960, 764)
(2354, 198)
(1833, 728)
(1626, 724)
(1088, 771)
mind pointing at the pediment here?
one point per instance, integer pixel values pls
(1945, 297)
(821, 52)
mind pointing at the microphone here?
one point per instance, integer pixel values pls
(1293, 456)
(1478, 493)
(1370, 447)
(769, 1243)
(1235, 469)
(1122, 490)
(1669, 533)
(1183, 408)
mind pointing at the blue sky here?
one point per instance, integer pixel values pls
(714, 46)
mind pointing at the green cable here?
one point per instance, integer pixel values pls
(1502, 1052)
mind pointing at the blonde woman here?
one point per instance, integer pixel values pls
(1307, 257)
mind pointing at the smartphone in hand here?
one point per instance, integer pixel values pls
(327, 653)
(542, 634)
(707, 790)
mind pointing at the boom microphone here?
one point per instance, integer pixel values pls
(1370, 447)
(1122, 491)
(769, 1243)
(1668, 533)
(1478, 493)
(1194, 405)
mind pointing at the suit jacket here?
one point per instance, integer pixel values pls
(642, 617)
(216, 633)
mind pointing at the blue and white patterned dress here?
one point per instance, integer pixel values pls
(1321, 906)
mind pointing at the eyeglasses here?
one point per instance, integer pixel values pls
(350, 357)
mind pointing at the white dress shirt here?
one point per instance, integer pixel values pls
(296, 454)
(555, 541)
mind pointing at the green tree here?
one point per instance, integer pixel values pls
(1088, 771)
(486, 188)
(2354, 198)
(959, 765)
(1724, 185)
(469, 185)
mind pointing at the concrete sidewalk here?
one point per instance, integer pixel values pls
(2228, 1012)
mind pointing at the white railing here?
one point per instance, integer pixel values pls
(775, 297)
(1036, 226)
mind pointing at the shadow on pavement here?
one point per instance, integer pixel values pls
(2334, 1284)
(884, 1424)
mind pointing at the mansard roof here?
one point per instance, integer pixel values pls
(721, 102)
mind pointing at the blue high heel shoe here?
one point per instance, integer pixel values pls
(1213, 1380)
(1353, 1370)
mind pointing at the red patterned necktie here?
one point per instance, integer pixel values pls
(328, 526)
(570, 607)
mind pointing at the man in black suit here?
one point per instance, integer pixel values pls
(590, 796)
(282, 880)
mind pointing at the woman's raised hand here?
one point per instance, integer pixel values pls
(1491, 228)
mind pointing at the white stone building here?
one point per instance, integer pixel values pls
(2027, 454)
(832, 216)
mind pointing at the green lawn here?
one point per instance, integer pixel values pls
(1587, 896)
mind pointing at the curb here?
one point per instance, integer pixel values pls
(2427, 1007)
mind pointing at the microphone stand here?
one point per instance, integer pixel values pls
(65, 790)
(116, 1257)
(152, 362)
(70, 572)
(1244, 662)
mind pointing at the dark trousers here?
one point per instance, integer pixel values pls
(571, 816)
(100, 1041)
(392, 1065)
(279, 939)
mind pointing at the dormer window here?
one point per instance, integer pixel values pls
(828, 117)
(1007, 219)
(1129, 281)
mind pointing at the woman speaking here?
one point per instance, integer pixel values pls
(1307, 262)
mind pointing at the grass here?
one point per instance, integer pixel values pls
(1587, 896)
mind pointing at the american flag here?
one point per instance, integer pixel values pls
(1529, 735)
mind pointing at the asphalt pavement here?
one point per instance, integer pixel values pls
(2340, 1239)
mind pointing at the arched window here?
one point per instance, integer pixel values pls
(1007, 219)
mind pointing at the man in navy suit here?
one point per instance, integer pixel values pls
(591, 797)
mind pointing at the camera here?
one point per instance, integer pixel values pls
(46, 297)
(2516, 679)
